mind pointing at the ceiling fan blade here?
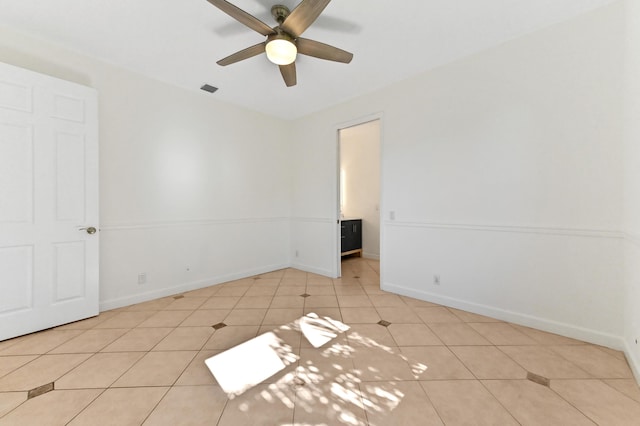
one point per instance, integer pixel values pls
(243, 54)
(242, 17)
(303, 15)
(322, 51)
(289, 74)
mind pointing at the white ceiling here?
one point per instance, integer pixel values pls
(179, 41)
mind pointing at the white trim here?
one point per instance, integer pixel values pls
(634, 362)
(312, 269)
(194, 222)
(594, 233)
(312, 219)
(183, 287)
(370, 256)
(568, 330)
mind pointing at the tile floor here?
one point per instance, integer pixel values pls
(428, 365)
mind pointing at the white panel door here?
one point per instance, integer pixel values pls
(48, 202)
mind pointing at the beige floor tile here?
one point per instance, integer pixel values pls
(232, 291)
(99, 371)
(601, 403)
(399, 315)
(324, 365)
(125, 319)
(287, 301)
(597, 362)
(543, 361)
(329, 403)
(271, 281)
(231, 336)
(413, 335)
(40, 343)
(612, 352)
(435, 363)
(398, 403)
(381, 363)
(197, 372)
(370, 335)
(276, 400)
(185, 339)
(321, 302)
(245, 317)
(117, 407)
(293, 282)
(205, 317)
(88, 323)
(459, 334)
(253, 302)
(471, 317)
(544, 338)
(291, 290)
(351, 290)
(220, 302)
(261, 290)
(323, 290)
(166, 319)
(360, 315)
(186, 304)
(10, 363)
(152, 305)
(10, 400)
(333, 313)
(90, 341)
(203, 292)
(373, 290)
(501, 333)
(354, 301)
(387, 301)
(435, 314)
(466, 402)
(46, 369)
(138, 340)
(534, 404)
(628, 387)
(53, 408)
(156, 369)
(488, 362)
(281, 316)
(189, 405)
(316, 280)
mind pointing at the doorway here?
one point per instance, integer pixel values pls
(359, 147)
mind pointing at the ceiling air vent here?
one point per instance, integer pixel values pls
(208, 88)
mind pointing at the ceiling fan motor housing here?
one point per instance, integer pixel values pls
(279, 13)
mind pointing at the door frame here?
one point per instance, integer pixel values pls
(379, 116)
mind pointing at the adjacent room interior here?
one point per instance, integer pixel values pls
(503, 251)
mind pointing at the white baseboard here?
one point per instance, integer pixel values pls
(120, 302)
(634, 362)
(563, 329)
(370, 256)
(312, 269)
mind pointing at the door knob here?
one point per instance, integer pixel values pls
(90, 230)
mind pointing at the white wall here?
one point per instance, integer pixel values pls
(360, 181)
(184, 180)
(503, 170)
(632, 184)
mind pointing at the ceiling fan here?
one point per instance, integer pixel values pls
(283, 41)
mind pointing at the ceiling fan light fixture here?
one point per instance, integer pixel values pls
(281, 50)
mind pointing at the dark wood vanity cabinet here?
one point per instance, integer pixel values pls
(351, 233)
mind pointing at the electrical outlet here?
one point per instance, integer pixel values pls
(436, 279)
(142, 278)
(297, 253)
(188, 268)
(392, 215)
